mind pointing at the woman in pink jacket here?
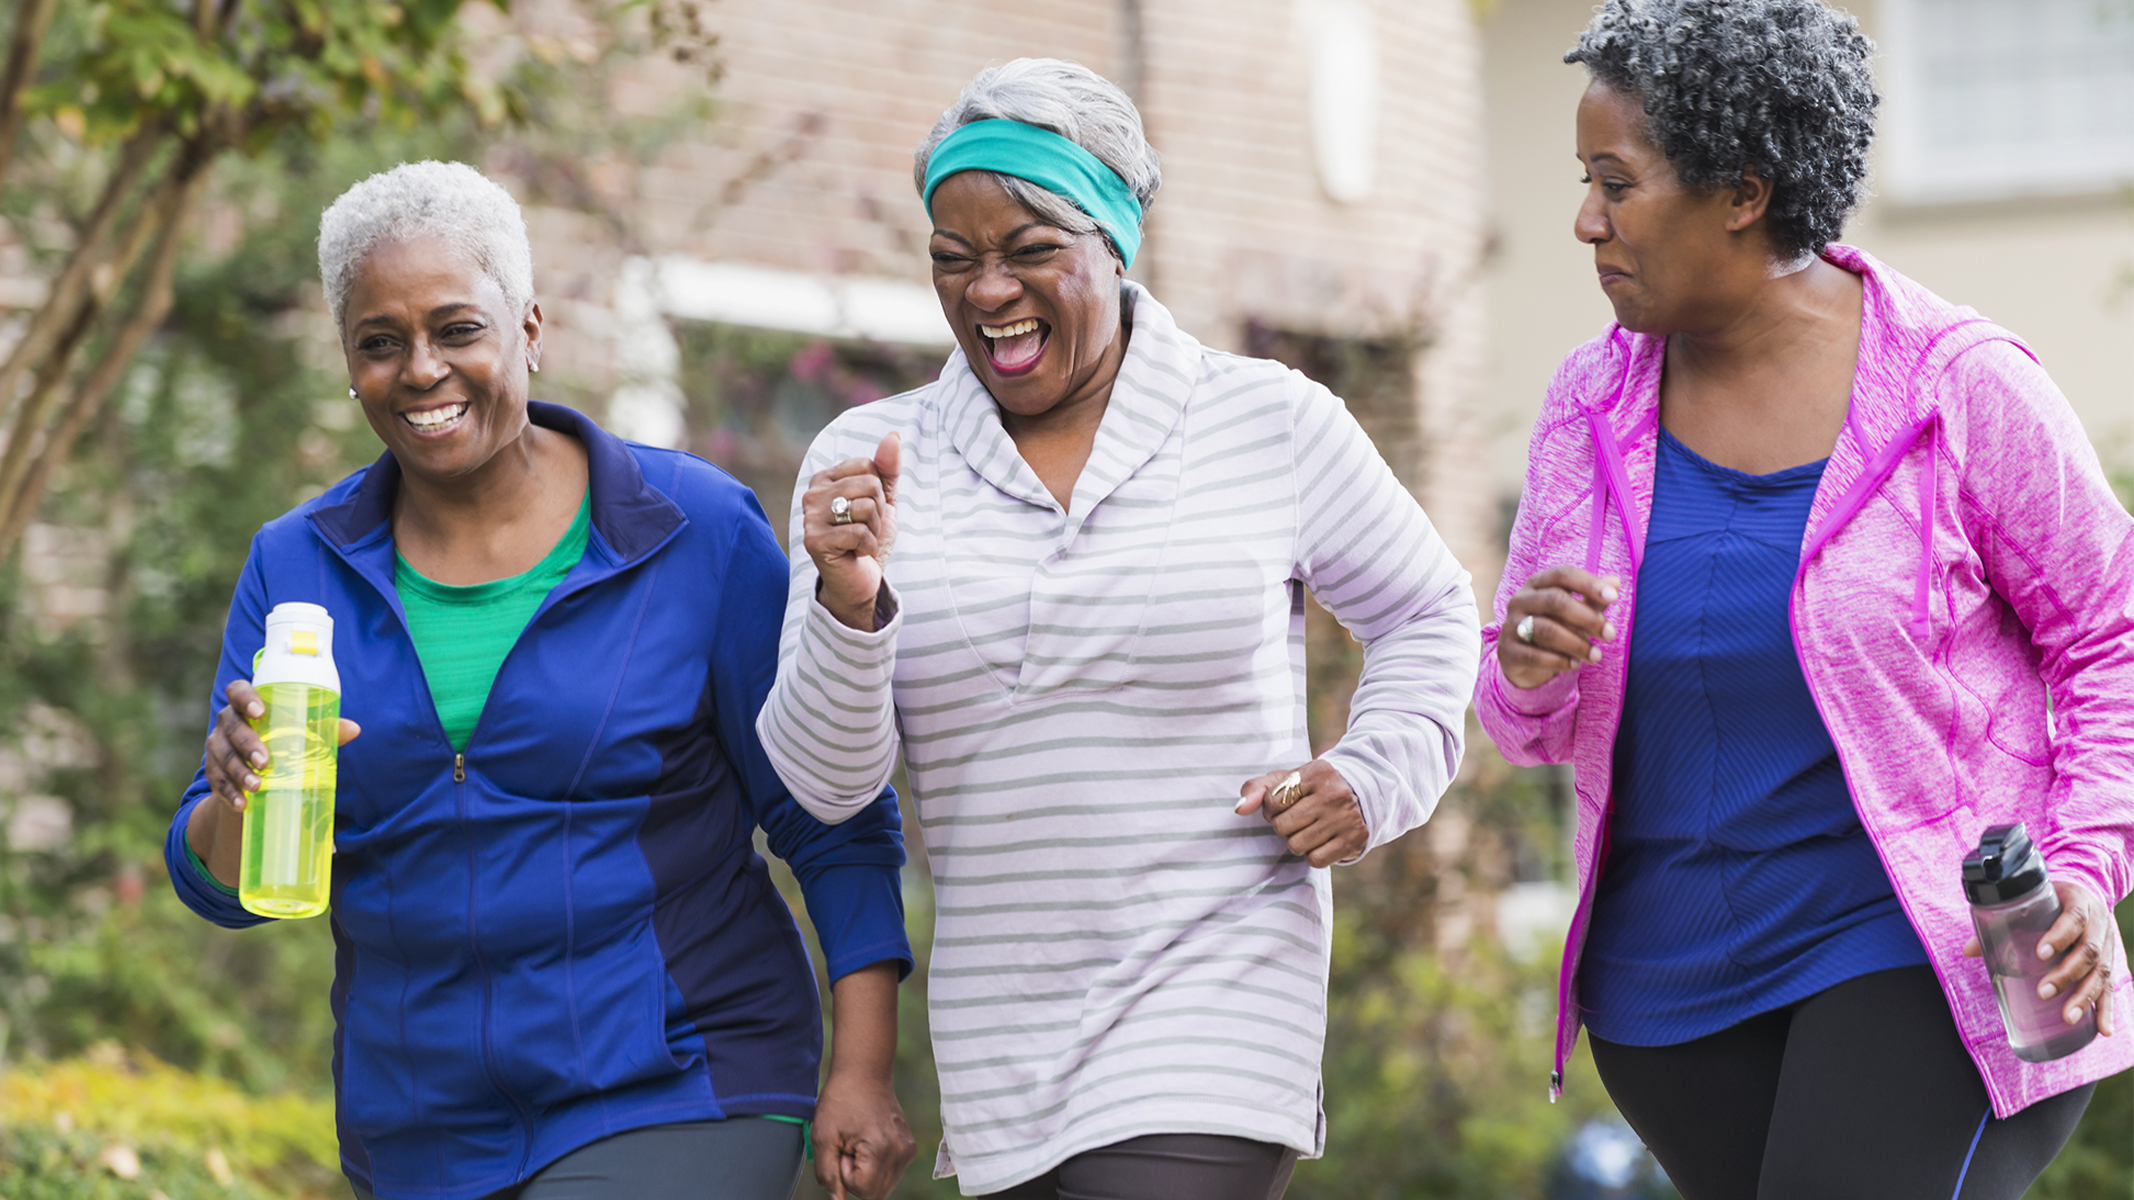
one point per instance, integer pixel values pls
(1815, 577)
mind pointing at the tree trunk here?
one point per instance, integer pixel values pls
(76, 277)
(23, 476)
(32, 19)
(150, 307)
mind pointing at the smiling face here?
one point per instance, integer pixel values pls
(437, 360)
(1035, 308)
(1660, 246)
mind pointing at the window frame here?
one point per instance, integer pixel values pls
(1911, 172)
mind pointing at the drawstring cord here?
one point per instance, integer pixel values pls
(1611, 479)
(1923, 586)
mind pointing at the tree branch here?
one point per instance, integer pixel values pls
(32, 19)
(30, 414)
(81, 266)
(155, 220)
(151, 306)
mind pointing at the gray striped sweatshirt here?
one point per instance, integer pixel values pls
(1079, 694)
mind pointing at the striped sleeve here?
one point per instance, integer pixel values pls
(829, 724)
(1371, 557)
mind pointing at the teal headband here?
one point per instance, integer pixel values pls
(1047, 160)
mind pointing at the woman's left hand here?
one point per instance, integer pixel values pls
(1323, 825)
(862, 1144)
(2088, 933)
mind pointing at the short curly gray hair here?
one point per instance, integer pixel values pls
(449, 201)
(1779, 85)
(1070, 100)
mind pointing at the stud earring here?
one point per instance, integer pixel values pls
(534, 367)
(352, 394)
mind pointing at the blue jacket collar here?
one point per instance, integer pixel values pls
(630, 514)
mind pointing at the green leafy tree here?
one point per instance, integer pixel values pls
(148, 96)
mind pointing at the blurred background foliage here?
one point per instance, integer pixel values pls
(145, 1053)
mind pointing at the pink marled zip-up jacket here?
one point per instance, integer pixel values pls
(1964, 613)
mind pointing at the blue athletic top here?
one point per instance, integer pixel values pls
(1738, 878)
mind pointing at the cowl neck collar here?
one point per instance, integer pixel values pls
(1147, 401)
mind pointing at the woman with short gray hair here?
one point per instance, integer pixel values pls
(1819, 584)
(1067, 580)
(562, 971)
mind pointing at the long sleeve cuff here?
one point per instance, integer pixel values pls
(2077, 863)
(827, 726)
(200, 891)
(1544, 701)
(1391, 805)
(858, 913)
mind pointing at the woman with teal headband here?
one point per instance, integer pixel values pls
(1065, 580)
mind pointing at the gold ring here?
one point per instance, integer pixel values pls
(1284, 796)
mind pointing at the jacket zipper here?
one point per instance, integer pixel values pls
(474, 946)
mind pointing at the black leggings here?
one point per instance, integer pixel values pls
(745, 1158)
(1861, 1090)
(1166, 1166)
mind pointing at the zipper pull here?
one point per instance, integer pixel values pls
(459, 768)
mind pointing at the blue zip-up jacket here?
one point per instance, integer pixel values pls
(566, 931)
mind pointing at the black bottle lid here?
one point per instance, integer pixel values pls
(2006, 867)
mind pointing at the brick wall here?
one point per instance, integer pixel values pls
(807, 168)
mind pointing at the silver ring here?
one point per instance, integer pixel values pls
(1524, 630)
(1284, 796)
(840, 510)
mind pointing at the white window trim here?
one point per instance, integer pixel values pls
(647, 404)
(1910, 173)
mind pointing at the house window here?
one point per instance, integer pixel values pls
(755, 398)
(1990, 99)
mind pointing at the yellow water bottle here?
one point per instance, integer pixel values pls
(288, 844)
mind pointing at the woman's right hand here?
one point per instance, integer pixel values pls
(234, 757)
(1569, 608)
(235, 752)
(851, 557)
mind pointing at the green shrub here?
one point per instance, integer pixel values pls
(116, 1127)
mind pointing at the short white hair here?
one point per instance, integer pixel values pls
(452, 202)
(1070, 100)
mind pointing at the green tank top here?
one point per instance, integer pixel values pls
(462, 634)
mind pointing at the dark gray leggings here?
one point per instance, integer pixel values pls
(1166, 1166)
(746, 1158)
(1862, 1091)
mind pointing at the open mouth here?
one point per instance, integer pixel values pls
(1015, 347)
(439, 420)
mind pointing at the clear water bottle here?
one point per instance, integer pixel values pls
(287, 865)
(2012, 906)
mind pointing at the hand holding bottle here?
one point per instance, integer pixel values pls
(2087, 933)
(235, 756)
(236, 753)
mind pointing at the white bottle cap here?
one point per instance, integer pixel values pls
(299, 648)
